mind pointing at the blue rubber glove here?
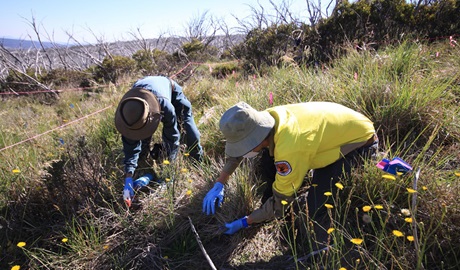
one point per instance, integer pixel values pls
(209, 202)
(236, 225)
(128, 191)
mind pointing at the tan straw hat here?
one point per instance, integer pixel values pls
(138, 114)
(244, 128)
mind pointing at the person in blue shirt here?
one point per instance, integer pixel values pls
(151, 100)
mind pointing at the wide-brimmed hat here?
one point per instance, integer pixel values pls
(244, 128)
(138, 114)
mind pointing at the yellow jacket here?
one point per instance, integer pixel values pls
(313, 135)
(306, 136)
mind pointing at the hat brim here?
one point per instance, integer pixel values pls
(266, 122)
(152, 121)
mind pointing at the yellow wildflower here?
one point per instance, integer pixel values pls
(106, 247)
(424, 188)
(183, 170)
(186, 154)
(411, 190)
(342, 268)
(378, 206)
(64, 240)
(330, 230)
(166, 162)
(388, 177)
(330, 206)
(410, 238)
(399, 173)
(408, 220)
(167, 179)
(457, 173)
(357, 241)
(398, 233)
(367, 208)
(189, 192)
(283, 202)
(339, 186)
(16, 171)
(21, 244)
(190, 180)
(16, 267)
(327, 193)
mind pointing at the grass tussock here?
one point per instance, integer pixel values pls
(61, 191)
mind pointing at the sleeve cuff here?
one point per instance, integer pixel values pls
(245, 222)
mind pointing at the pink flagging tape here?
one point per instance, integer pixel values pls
(53, 91)
(56, 128)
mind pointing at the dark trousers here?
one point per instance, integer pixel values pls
(324, 179)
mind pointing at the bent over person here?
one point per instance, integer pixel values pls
(152, 100)
(326, 137)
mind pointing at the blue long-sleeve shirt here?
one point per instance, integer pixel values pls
(161, 88)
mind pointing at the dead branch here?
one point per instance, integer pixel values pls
(201, 245)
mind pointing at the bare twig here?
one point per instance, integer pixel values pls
(201, 245)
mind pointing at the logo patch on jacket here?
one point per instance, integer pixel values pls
(283, 168)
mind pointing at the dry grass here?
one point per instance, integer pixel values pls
(73, 190)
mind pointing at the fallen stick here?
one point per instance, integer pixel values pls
(201, 245)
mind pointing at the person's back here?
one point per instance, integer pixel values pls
(150, 100)
(159, 85)
(319, 130)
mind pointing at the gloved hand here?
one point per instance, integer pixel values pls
(209, 202)
(236, 225)
(128, 191)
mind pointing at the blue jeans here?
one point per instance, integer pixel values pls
(178, 127)
(177, 118)
(186, 124)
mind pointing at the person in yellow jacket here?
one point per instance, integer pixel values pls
(326, 137)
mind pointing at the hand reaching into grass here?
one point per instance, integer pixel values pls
(128, 191)
(214, 196)
(236, 225)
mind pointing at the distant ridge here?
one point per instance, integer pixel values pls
(11, 43)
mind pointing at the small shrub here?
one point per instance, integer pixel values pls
(66, 78)
(225, 69)
(19, 82)
(113, 68)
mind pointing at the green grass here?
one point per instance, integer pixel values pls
(50, 191)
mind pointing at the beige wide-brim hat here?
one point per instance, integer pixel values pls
(244, 128)
(138, 114)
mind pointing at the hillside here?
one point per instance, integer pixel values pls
(83, 56)
(10, 43)
(61, 200)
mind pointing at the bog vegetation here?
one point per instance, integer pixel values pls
(61, 172)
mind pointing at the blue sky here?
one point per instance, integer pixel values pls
(115, 19)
